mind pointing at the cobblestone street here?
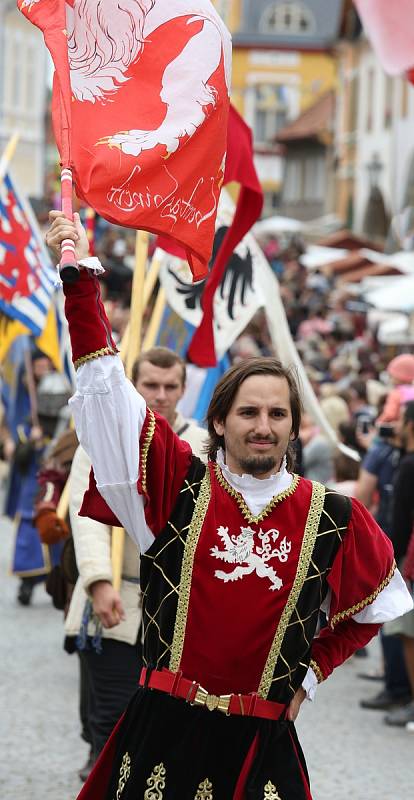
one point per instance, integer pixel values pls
(350, 753)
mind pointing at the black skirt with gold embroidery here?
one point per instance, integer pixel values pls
(166, 749)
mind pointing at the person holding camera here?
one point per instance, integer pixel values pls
(402, 526)
(374, 489)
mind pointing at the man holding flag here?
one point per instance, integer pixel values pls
(236, 559)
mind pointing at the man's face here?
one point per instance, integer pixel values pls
(41, 367)
(258, 428)
(161, 388)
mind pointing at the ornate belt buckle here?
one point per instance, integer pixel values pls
(212, 702)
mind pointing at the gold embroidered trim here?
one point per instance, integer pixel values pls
(197, 520)
(124, 773)
(204, 791)
(270, 792)
(156, 783)
(343, 615)
(308, 543)
(247, 514)
(317, 670)
(104, 351)
(145, 449)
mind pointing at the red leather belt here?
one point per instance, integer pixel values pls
(244, 705)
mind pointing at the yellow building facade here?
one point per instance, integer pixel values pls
(283, 62)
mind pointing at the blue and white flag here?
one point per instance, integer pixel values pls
(27, 276)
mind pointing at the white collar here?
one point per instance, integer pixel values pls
(256, 490)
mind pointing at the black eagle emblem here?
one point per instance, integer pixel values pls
(237, 278)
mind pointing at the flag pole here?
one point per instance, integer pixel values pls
(150, 281)
(134, 347)
(8, 154)
(31, 388)
(155, 322)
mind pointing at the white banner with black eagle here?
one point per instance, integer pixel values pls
(248, 284)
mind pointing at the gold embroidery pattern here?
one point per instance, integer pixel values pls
(343, 615)
(124, 773)
(308, 543)
(317, 670)
(204, 791)
(145, 449)
(151, 617)
(247, 514)
(197, 520)
(104, 351)
(270, 792)
(156, 783)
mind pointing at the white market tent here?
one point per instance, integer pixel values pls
(317, 256)
(395, 295)
(272, 226)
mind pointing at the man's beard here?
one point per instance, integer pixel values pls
(258, 465)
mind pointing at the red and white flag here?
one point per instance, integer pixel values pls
(140, 108)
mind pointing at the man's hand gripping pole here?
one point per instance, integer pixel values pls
(68, 267)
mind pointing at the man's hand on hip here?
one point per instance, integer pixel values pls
(295, 704)
(107, 603)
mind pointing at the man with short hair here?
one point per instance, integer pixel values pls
(237, 557)
(159, 375)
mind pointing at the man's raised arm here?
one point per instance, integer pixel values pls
(109, 413)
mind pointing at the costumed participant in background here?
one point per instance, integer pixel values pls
(105, 629)
(33, 561)
(237, 557)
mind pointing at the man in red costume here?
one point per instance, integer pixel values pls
(238, 556)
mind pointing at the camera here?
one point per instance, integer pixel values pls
(386, 431)
(364, 424)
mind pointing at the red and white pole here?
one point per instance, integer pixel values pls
(68, 267)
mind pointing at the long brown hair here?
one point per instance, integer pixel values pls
(227, 388)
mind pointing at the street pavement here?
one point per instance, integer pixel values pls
(350, 752)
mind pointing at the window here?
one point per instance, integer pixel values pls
(389, 85)
(287, 18)
(353, 104)
(404, 98)
(270, 112)
(293, 183)
(314, 178)
(370, 101)
(271, 202)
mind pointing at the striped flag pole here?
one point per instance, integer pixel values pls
(68, 268)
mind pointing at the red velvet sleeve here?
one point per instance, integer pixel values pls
(89, 329)
(363, 567)
(164, 462)
(331, 648)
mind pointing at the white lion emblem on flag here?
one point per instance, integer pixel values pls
(251, 557)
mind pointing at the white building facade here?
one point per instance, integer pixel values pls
(384, 135)
(23, 93)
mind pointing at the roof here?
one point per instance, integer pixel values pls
(348, 240)
(352, 261)
(368, 270)
(314, 123)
